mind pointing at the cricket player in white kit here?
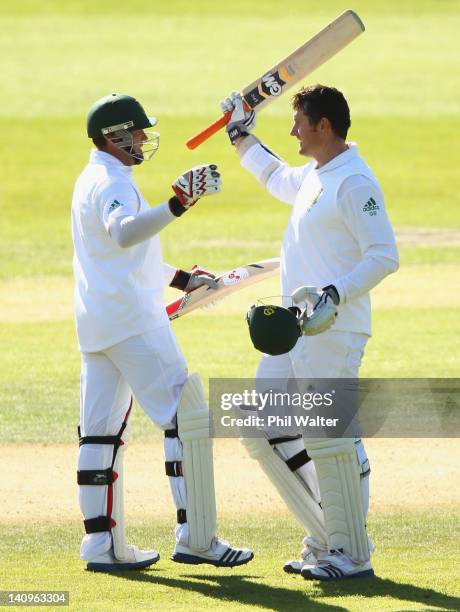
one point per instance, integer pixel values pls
(128, 347)
(338, 238)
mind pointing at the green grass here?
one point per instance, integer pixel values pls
(45, 556)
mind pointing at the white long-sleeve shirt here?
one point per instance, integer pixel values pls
(119, 278)
(338, 231)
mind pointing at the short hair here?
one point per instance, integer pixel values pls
(319, 101)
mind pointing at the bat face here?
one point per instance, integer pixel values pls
(312, 54)
(228, 283)
(304, 60)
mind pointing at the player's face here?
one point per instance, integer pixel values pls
(139, 137)
(308, 135)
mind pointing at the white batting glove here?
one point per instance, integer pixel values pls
(323, 316)
(306, 294)
(194, 184)
(198, 278)
(242, 121)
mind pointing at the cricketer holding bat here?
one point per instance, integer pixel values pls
(339, 238)
(127, 345)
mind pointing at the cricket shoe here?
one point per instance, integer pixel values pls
(136, 559)
(308, 557)
(220, 554)
(337, 566)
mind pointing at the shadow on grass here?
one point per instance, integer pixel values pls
(238, 590)
(383, 587)
(243, 590)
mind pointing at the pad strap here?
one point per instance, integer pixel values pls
(98, 439)
(174, 468)
(275, 441)
(96, 477)
(103, 477)
(98, 524)
(171, 433)
(297, 461)
(181, 516)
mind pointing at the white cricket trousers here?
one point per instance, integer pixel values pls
(151, 367)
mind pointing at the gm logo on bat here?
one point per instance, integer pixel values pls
(273, 86)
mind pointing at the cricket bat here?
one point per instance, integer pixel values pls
(304, 60)
(228, 283)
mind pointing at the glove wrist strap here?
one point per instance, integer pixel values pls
(235, 133)
(176, 207)
(332, 291)
(180, 280)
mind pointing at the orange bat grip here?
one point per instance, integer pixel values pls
(196, 140)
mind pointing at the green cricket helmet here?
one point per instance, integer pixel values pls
(116, 117)
(116, 112)
(273, 329)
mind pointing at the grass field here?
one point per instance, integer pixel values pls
(180, 58)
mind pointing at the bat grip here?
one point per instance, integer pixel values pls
(198, 139)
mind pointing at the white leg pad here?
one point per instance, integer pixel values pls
(298, 498)
(118, 509)
(197, 464)
(339, 473)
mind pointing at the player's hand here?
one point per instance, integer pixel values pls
(194, 184)
(198, 278)
(242, 121)
(323, 315)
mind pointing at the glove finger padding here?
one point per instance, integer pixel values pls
(230, 102)
(198, 280)
(196, 183)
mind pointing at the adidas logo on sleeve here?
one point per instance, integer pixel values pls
(115, 204)
(371, 207)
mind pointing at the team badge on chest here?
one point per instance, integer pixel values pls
(315, 199)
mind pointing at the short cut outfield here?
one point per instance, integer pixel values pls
(319, 101)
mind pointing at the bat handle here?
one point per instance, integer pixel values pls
(196, 140)
(173, 306)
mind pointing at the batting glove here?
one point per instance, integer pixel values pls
(242, 121)
(198, 278)
(189, 281)
(192, 185)
(323, 315)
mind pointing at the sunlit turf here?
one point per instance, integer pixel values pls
(45, 556)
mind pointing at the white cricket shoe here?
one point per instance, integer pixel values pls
(337, 566)
(308, 557)
(220, 554)
(136, 559)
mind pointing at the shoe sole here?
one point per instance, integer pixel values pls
(364, 574)
(194, 560)
(120, 567)
(290, 570)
